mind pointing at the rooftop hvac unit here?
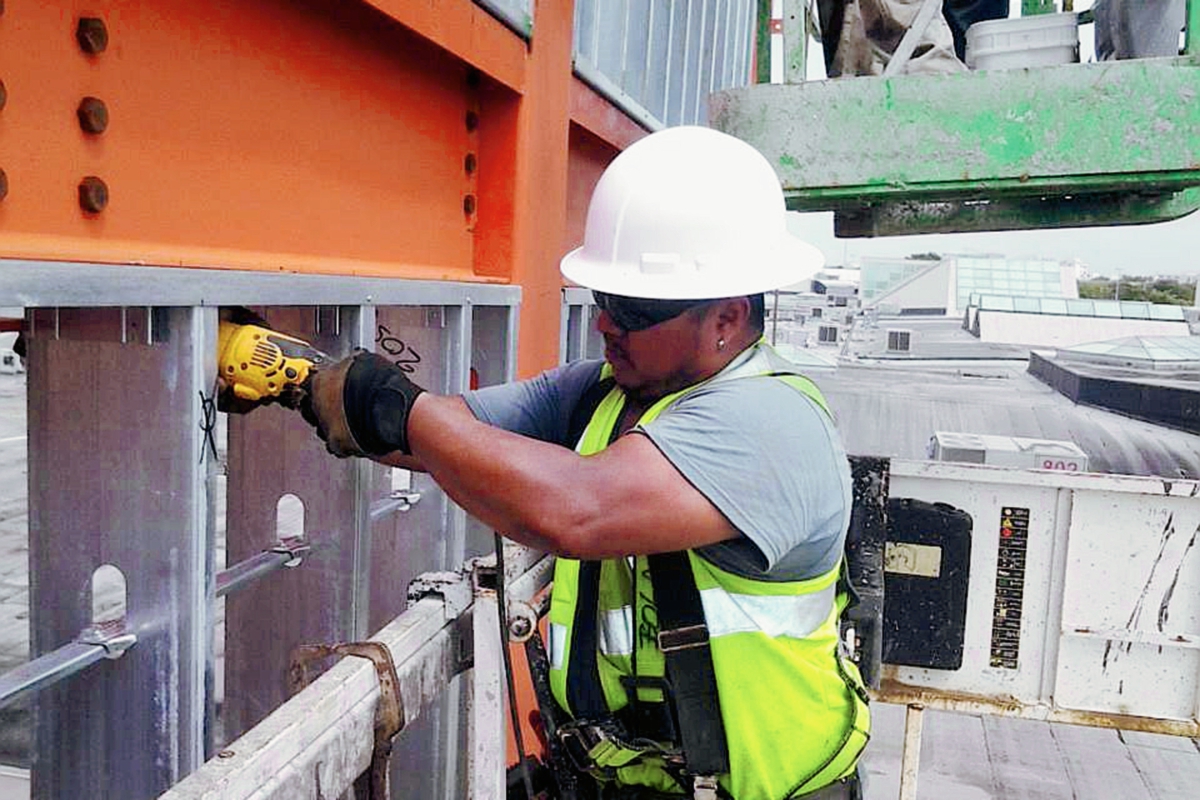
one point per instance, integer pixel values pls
(1008, 451)
(899, 341)
(827, 334)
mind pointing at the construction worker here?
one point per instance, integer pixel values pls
(860, 36)
(692, 486)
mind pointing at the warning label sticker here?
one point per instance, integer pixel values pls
(1010, 587)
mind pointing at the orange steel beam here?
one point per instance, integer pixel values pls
(540, 198)
(466, 30)
(290, 135)
(601, 118)
(599, 130)
(389, 138)
(589, 156)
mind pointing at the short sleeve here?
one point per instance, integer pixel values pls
(770, 459)
(539, 407)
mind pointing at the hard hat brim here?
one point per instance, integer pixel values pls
(787, 261)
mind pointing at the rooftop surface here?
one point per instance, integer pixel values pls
(891, 404)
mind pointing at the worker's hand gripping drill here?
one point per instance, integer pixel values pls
(360, 406)
(258, 366)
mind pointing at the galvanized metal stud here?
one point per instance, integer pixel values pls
(92, 35)
(93, 115)
(93, 194)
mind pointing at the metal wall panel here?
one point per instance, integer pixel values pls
(986, 502)
(1144, 594)
(1084, 600)
(118, 474)
(659, 60)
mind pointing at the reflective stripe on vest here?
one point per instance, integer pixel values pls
(794, 715)
(725, 613)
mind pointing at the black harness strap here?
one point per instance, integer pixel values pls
(683, 638)
(588, 402)
(584, 693)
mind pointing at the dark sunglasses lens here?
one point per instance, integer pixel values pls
(633, 314)
(624, 311)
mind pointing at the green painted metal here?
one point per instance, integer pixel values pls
(762, 43)
(1031, 8)
(1064, 131)
(795, 40)
(901, 218)
(1192, 48)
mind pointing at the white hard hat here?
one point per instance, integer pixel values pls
(689, 213)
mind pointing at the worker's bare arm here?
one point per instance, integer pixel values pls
(398, 459)
(627, 499)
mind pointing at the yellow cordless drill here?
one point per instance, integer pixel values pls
(259, 366)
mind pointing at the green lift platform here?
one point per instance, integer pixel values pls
(1104, 143)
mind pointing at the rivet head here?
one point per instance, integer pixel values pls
(469, 205)
(470, 164)
(3, 185)
(92, 35)
(472, 121)
(93, 115)
(3, 91)
(93, 194)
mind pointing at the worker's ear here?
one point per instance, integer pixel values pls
(732, 314)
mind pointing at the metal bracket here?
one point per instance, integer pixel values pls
(295, 547)
(389, 714)
(397, 502)
(112, 637)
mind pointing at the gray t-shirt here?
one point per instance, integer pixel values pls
(763, 453)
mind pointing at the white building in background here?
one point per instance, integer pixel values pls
(945, 286)
(1058, 322)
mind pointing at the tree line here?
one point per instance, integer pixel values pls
(1166, 291)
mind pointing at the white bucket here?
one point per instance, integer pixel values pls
(1041, 40)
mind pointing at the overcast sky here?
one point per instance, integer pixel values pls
(1168, 248)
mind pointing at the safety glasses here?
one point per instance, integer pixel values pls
(632, 314)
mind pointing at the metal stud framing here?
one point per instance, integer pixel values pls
(124, 473)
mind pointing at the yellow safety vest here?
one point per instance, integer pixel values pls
(794, 711)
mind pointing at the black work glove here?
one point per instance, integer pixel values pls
(360, 406)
